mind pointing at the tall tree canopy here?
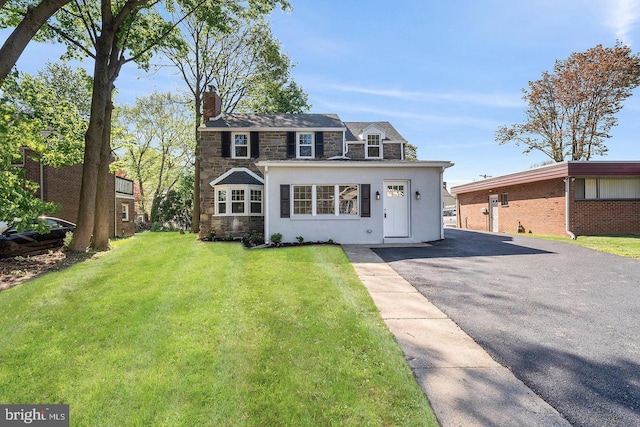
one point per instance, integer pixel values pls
(572, 110)
(246, 66)
(157, 146)
(38, 115)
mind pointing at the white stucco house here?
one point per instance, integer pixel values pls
(314, 176)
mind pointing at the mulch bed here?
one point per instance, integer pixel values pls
(17, 270)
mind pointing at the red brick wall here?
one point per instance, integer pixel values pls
(125, 228)
(62, 187)
(605, 217)
(539, 207)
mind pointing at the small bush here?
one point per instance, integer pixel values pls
(255, 238)
(157, 226)
(276, 238)
(300, 239)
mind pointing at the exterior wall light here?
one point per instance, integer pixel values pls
(377, 195)
(418, 195)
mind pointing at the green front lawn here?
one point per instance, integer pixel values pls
(168, 331)
(627, 246)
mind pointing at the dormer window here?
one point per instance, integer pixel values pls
(304, 145)
(240, 146)
(374, 146)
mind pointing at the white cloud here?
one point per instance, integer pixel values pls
(621, 17)
(486, 99)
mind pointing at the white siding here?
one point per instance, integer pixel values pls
(425, 214)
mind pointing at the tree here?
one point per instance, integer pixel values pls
(571, 111)
(26, 25)
(113, 34)
(37, 116)
(245, 65)
(158, 146)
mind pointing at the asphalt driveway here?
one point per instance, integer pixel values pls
(564, 319)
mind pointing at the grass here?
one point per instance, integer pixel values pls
(169, 331)
(626, 246)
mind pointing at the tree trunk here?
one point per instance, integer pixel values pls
(195, 222)
(92, 148)
(15, 44)
(103, 201)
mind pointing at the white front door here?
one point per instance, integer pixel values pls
(396, 209)
(493, 213)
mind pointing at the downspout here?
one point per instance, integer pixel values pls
(266, 204)
(567, 198)
(441, 203)
(41, 181)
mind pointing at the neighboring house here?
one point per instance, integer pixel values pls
(62, 186)
(316, 177)
(571, 198)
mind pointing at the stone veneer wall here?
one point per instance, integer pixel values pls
(390, 151)
(273, 146)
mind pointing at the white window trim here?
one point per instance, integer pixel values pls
(233, 145)
(313, 145)
(366, 146)
(125, 212)
(247, 199)
(314, 199)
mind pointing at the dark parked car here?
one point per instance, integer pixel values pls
(13, 242)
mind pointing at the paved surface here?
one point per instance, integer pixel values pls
(465, 386)
(564, 319)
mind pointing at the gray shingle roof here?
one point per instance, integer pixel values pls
(355, 128)
(282, 121)
(239, 177)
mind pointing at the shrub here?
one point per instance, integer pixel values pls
(300, 239)
(255, 237)
(276, 238)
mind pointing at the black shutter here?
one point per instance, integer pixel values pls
(291, 144)
(285, 205)
(254, 137)
(365, 200)
(319, 144)
(226, 144)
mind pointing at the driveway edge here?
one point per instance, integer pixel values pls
(464, 385)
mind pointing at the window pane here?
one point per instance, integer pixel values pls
(241, 145)
(619, 188)
(237, 201)
(373, 151)
(305, 145)
(325, 199)
(348, 199)
(504, 200)
(256, 201)
(222, 201)
(302, 199)
(579, 188)
(590, 189)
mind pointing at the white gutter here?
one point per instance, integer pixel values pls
(567, 198)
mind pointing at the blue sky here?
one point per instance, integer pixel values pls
(445, 74)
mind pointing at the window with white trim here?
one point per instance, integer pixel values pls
(504, 199)
(325, 200)
(125, 212)
(238, 200)
(304, 145)
(374, 146)
(240, 146)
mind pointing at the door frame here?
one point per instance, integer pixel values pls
(405, 207)
(494, 206)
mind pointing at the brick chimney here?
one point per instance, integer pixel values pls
(211, 105)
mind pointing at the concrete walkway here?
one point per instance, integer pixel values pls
(464, 385)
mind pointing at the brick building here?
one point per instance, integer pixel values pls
(62, 187)
(571, 198)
